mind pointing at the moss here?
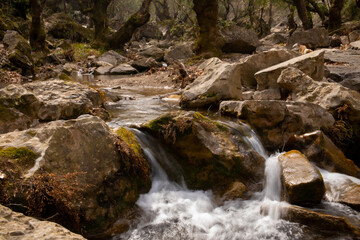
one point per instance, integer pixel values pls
(129, 137)
(156, 124)
(199, 116)
(221, 127)
(64, 77)
(22, 155)
(82, 51)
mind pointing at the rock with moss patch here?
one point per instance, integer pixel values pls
(302, 182)
(211, 154)
(111, 170)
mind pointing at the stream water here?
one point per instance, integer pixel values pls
(171, 211)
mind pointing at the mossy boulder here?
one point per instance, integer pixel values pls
(64, 27)
(19, 52)
(211, 154)
(107, 172)
(302, 182)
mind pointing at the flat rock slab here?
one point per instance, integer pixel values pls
(16, 226)
(302, 181)
(123, 69)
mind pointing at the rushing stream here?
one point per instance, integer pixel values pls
(171, 211)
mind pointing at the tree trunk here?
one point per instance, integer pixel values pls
(209, 41)
(124, 34)
(335, 14)
(251, 9)
(291, 22)
(303, 14)
(37, 31)
(99, 17)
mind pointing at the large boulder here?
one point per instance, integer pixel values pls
(312, 64)
(103, 172)
(112, 57)
(143, 64)
(318, 221)
(219, 81)
(19, 52)
(318, 148)
(312, 38)
(276, 121)
(46, 101)
(302, 182)
(154, 52)
(147, 31)
(250, 65)
(123, 69)
(211, 154)
(62, 26)
(18, 226)
(239, 40)
(179, 53)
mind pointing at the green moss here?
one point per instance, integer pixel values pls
(221, 127)
(199, 116)
(22, 155)
(64, 77)
(129, 137)
(156, 124)
(82, 51)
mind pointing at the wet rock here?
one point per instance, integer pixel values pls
(18, 226)
(276, 121)
(104, 70)
(268, 94)
(50, 100)
(312, 38)
(236, 190)
(154, 52)
(319, 221)
(312, 64)
(318, 148)
(19, 52)
(302, 182)
(219, 81)
(211, 154)
(143, 64)
(179, 52)
(112, 57)
(254, 63)
(239, 40)
(111, 170)
(123, 69)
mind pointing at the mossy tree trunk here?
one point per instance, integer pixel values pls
(37, 31)
(98, 16)
(124, 34)
(303, 14)
(335, 14)
(209, 41)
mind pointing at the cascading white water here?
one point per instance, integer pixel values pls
(171, 211)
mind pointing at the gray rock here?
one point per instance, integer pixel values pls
(143, 64)
(239, 40)
(179, 52)
(354, 36)
(303, 183)
(312, 38)
(123, 69)
(154, 52)
(18, 226)
(147, 31)
(355, 45)
(220, 81)
(105, 70)
(274, 38)
(268, 94)
(112, 57)
(311, 63)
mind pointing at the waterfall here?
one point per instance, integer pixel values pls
(171, 211)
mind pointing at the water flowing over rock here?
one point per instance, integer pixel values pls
(48, 101)
(318, 148)
(312, 64)
(112, 170)
(276, 121)
(220, 80)
(239, 40)
(18, 226)
(211, 154)
(312, 38)
(302, 181)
